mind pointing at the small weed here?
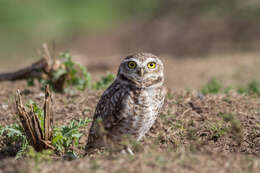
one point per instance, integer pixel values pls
(38, 111)
(227, 100)
(252, 87)
(104, 82)
(64, 137)
(74, 71)
(71, 76)
(225, 116)
(30, 82)
(212, 87)
(217, 130)
(227, 89)
(192, 133)
(75, 76)
(14, 133)
(235, 126)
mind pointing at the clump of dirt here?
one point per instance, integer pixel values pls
(195, 133)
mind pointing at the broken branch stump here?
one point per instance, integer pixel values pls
(38, 138)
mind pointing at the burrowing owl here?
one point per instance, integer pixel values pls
(132, 102)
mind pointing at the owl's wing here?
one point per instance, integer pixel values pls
(107, 112)
(159, 98)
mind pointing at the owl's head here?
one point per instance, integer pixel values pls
(142, 70)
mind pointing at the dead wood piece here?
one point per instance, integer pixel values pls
(41, 69)
(48, 115)
(33, 71)
(39, 137)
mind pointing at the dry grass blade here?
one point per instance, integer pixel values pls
(32, 71)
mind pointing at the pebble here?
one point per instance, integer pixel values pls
(4, 106)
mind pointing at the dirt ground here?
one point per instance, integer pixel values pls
(194, 133)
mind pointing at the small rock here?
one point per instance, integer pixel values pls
(4, 106)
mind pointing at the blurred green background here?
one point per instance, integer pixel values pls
(175, 27)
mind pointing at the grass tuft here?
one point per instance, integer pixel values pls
(212, 87)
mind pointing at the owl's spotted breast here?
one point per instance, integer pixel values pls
(138, 113)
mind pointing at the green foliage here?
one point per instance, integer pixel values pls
(212, 87)
(64, 137)
(77, 77)
(74, 72)
(38, 111)
(104, 82)
(30, 82)
(217, 130)
(252, 87)
(14, 133)
(67, 136)
(235, 126)
(226, 117)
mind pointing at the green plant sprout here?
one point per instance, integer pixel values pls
(252, 87)
(212, 87)
(66, 136)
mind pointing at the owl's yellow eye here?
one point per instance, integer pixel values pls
(131, 64)
(151, 65)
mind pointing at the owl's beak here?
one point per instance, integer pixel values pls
(141, 72)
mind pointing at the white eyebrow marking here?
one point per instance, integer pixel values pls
(149, 60)
(132, 59)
